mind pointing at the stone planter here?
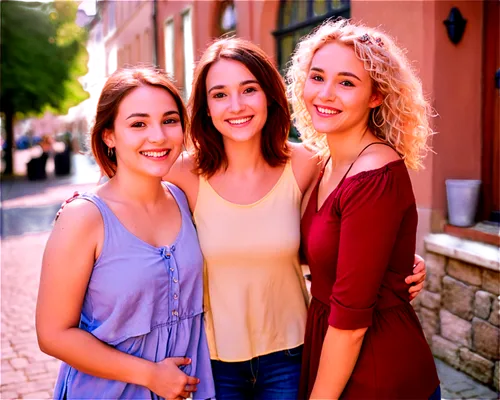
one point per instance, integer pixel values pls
(463, 196)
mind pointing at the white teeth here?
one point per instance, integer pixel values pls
(327, 111)
(239, 121)
(155, 153)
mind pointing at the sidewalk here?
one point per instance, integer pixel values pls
(28, 209)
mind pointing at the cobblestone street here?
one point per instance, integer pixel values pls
(28, 209)
(27, 212)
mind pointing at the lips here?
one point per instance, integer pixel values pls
(239, 121)
(155, 153)
(327, 111)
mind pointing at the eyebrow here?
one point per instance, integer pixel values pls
(247, 82)
(144, 115)
(344, 73)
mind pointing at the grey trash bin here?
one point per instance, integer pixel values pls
(463, 197)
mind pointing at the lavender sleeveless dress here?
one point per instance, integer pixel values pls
(146, 301)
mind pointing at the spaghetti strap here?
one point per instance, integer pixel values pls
(350, 166)
(361, 152)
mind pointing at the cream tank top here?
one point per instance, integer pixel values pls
(255, 294)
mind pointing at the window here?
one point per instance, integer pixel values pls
(121, 60)
(146, 47)
(111, 16)
(227, 18)
(98, 35)
(169, 46)
(188, 52)
(137, 50)
(298, 17)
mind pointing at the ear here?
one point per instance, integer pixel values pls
(376, 99)
(108, 137)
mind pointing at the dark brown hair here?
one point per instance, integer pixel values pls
(115, 90)
(209, 153)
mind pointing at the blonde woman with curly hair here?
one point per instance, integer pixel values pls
(356, 99)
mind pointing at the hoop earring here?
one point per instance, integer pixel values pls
(111, 152)
(375, 115)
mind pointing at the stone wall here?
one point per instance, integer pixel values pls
(459, 307)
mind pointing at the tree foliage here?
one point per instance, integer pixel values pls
(43, 55)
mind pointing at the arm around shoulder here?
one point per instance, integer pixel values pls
(183, 175)
(306, 165)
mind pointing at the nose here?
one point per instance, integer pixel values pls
(157, 134)
(327, 92)
(236, 104)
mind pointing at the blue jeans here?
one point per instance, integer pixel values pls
(437, 394)
(272, 376)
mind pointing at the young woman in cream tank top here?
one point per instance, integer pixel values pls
(244, 183)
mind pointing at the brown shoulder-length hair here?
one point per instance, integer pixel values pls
(209, 153)
(116, 88)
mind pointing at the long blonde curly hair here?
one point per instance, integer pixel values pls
(402, 119)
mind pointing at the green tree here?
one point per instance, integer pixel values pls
(43, 54)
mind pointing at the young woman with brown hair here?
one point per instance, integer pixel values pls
(120, 300)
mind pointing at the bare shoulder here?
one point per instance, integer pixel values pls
(373, 158)
(306, 165)
(79, 215)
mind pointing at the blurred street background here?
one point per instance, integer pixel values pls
(56, 56)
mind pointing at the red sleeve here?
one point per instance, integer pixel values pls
(371, 214)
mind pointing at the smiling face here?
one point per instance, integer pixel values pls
(236, 102)
(147, 133)
(338, 91)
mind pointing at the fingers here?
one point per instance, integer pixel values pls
(191, 388)
(416, 278)
(419, 267)
(181, 360)
(416, 288)
(184, 395)
(192, 380)
(418, 259)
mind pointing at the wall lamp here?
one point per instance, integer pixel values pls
(455, 25)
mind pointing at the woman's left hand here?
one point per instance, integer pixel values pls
(418, 278)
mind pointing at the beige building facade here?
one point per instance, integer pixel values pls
(128, 31)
